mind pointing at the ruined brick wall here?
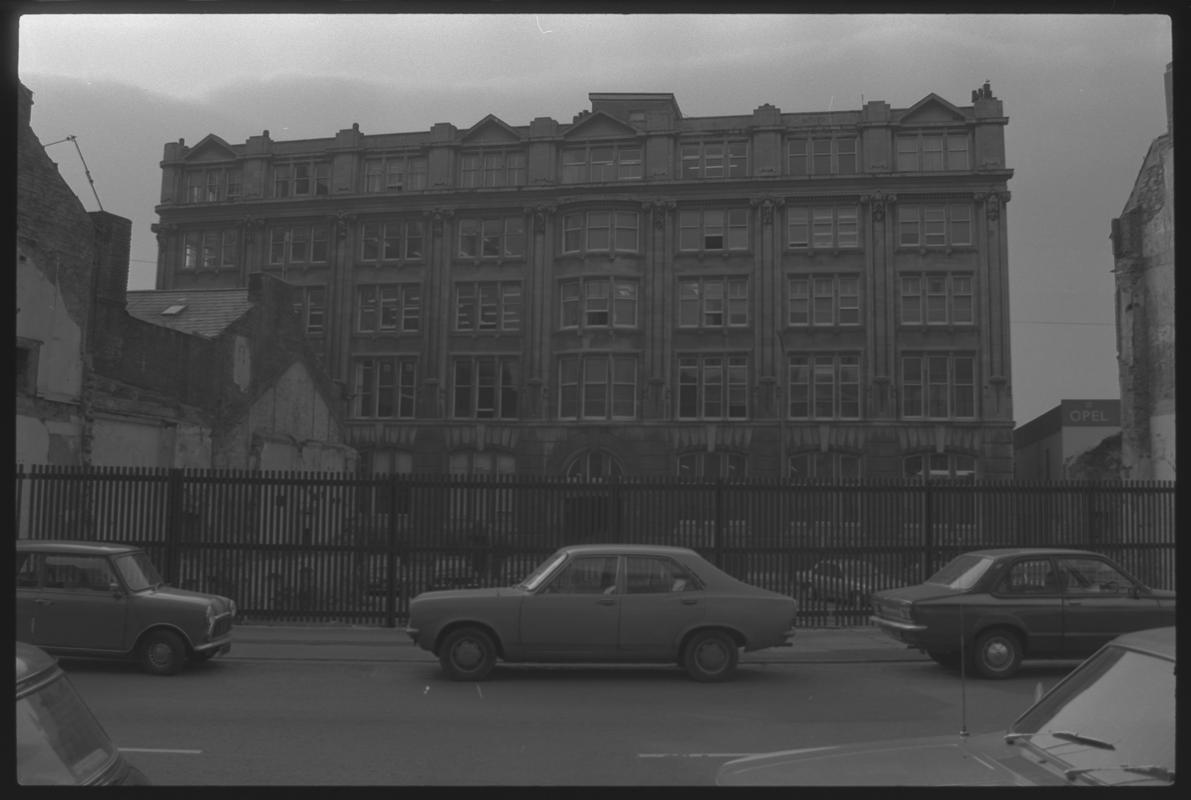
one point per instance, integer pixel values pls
(53, 276)
(1143, 250)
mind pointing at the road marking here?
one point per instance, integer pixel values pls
(481, 694)
(160, 750)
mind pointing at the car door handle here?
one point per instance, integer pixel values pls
(1074, 603)
(41, 601)
(606, 601)
(689, 601)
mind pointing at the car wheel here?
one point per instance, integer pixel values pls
(162, 652)
(467, 654)
(710, 656)
(949, 659)
(997, 654)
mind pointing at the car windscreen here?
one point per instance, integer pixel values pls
(1113, 715)
(545, 568)
(961, 572)
(59, 741)
(138, 571)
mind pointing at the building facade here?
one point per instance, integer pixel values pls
(1143, 256)
(1053, 446)
(636, 292)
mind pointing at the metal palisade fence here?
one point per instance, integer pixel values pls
(333, 547)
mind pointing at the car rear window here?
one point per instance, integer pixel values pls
(59, 741)
(961, 572)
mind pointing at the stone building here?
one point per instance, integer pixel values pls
(635, 292)
(1143, 254)
(99, 386)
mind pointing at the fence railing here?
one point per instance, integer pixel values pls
(303, 546)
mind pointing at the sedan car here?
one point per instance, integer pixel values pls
(605, 603)
(101, 600)
(1110, 722)
(59, 740)
(991, 609)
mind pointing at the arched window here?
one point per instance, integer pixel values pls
(828, 467)
(712, 466)
(594, 465)
(940, 465)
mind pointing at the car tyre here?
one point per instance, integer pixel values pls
(710, 656)
(467, 654)
(162, 652)
(997, 654)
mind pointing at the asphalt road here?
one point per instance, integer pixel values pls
(258, 722)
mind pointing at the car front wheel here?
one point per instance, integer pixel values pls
(997, 654)
(467, 654)
(710, 656)
(162, 652)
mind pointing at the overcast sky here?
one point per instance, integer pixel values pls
(1083, 93)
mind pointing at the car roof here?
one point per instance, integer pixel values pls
(74, 547)
(629, 549)
(1156, 641)
(32, 661)
(1028, 551)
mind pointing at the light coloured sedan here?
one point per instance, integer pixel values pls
(605, 604)
(1110, 722)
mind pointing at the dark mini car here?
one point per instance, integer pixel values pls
(996, 607)
(59, 740)
(605, 603)
(1110, 722)
(102, 600)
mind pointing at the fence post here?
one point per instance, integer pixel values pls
(173, 526)
(391, 557)
(20, 503)
(719, 523)
(1090, 511)
(928, 530)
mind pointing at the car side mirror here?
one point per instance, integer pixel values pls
(114, 588)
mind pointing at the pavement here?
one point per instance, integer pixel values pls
(344, 642)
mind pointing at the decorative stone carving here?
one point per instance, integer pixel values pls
(767, 206)
(879, 201)
(659, 208)
(251, 225)
(540, 215)
(436, 217)
(343, 222)
(164, 230)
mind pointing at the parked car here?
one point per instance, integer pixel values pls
(844, 581)
(59, 740)
(103, 600)
(997, 607)
(605, 603)
(1110, 722)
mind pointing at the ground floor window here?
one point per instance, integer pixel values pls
(713, 466)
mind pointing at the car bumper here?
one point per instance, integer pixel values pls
(905, 632)
(218, 647)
